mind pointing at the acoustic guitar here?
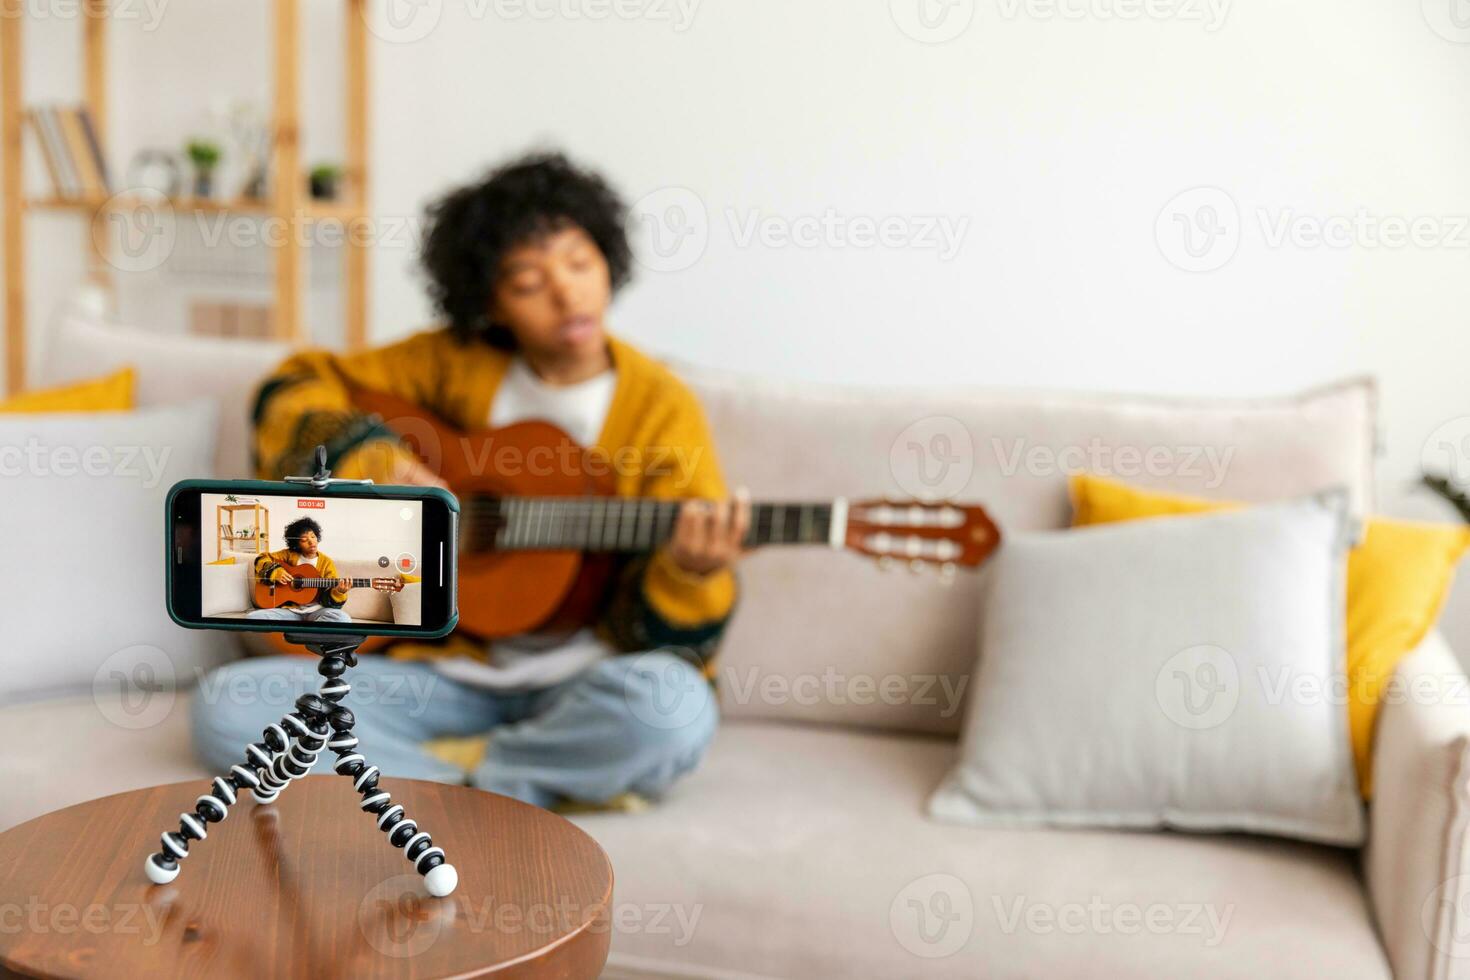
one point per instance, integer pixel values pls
(303, 592)
(539, 543)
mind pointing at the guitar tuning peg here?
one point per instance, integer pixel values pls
(885, 563)
(946, 573)
(916, 565)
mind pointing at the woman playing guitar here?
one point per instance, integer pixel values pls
(523, 265)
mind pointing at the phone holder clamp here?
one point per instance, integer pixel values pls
(323, 477)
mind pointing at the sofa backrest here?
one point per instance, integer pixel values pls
(831, 638)
(171, 369)
(827, 637)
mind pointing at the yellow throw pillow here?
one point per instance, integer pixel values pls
(1397, 579)
(113, 393)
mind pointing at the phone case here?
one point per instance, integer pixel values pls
(270, 486)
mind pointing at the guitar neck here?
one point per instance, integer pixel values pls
(633, 524)
(331, 583)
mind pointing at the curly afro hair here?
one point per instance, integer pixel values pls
(297, 528)
(471, 228)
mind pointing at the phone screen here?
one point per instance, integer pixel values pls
(298, 560)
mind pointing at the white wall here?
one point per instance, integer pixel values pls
(352, 530)
(1055, 138)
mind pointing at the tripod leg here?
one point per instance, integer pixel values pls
(440, 877)
(303, 745)
(214, 806)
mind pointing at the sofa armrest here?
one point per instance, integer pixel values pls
(1416, 861)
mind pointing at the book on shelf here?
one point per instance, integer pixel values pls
(72, 150)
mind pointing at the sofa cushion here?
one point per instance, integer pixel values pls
(81, 516)
(830, 638)
(68, 750)
(798, 851)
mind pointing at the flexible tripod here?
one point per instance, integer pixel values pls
(288, 749)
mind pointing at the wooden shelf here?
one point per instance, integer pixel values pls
(289, 200)
(312, 210)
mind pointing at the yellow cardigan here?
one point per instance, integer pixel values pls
(653, 421)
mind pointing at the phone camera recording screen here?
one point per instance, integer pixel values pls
(294, 559)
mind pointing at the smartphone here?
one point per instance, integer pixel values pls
(273, 557)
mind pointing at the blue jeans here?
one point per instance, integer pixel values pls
(322, 614)
(634, 723)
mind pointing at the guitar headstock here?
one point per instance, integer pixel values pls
(394, 584)
(944, 534)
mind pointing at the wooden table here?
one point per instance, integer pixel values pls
(305, 887)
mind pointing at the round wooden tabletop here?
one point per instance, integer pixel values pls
(305, 887)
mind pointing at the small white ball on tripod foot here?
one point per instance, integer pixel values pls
(440, 881)
(157, 873)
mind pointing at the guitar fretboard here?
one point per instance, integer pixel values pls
(331, 583)
(625, 523)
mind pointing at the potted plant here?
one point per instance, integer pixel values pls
(325, 178)
(205, 155)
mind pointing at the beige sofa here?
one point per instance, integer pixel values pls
(800, 848)
(226, 591)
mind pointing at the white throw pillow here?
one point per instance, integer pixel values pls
(81, 515)
(225, 589)
(1183, 672)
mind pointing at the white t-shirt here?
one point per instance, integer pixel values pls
(523, 663)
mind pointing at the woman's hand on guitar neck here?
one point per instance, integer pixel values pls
(708, 533)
